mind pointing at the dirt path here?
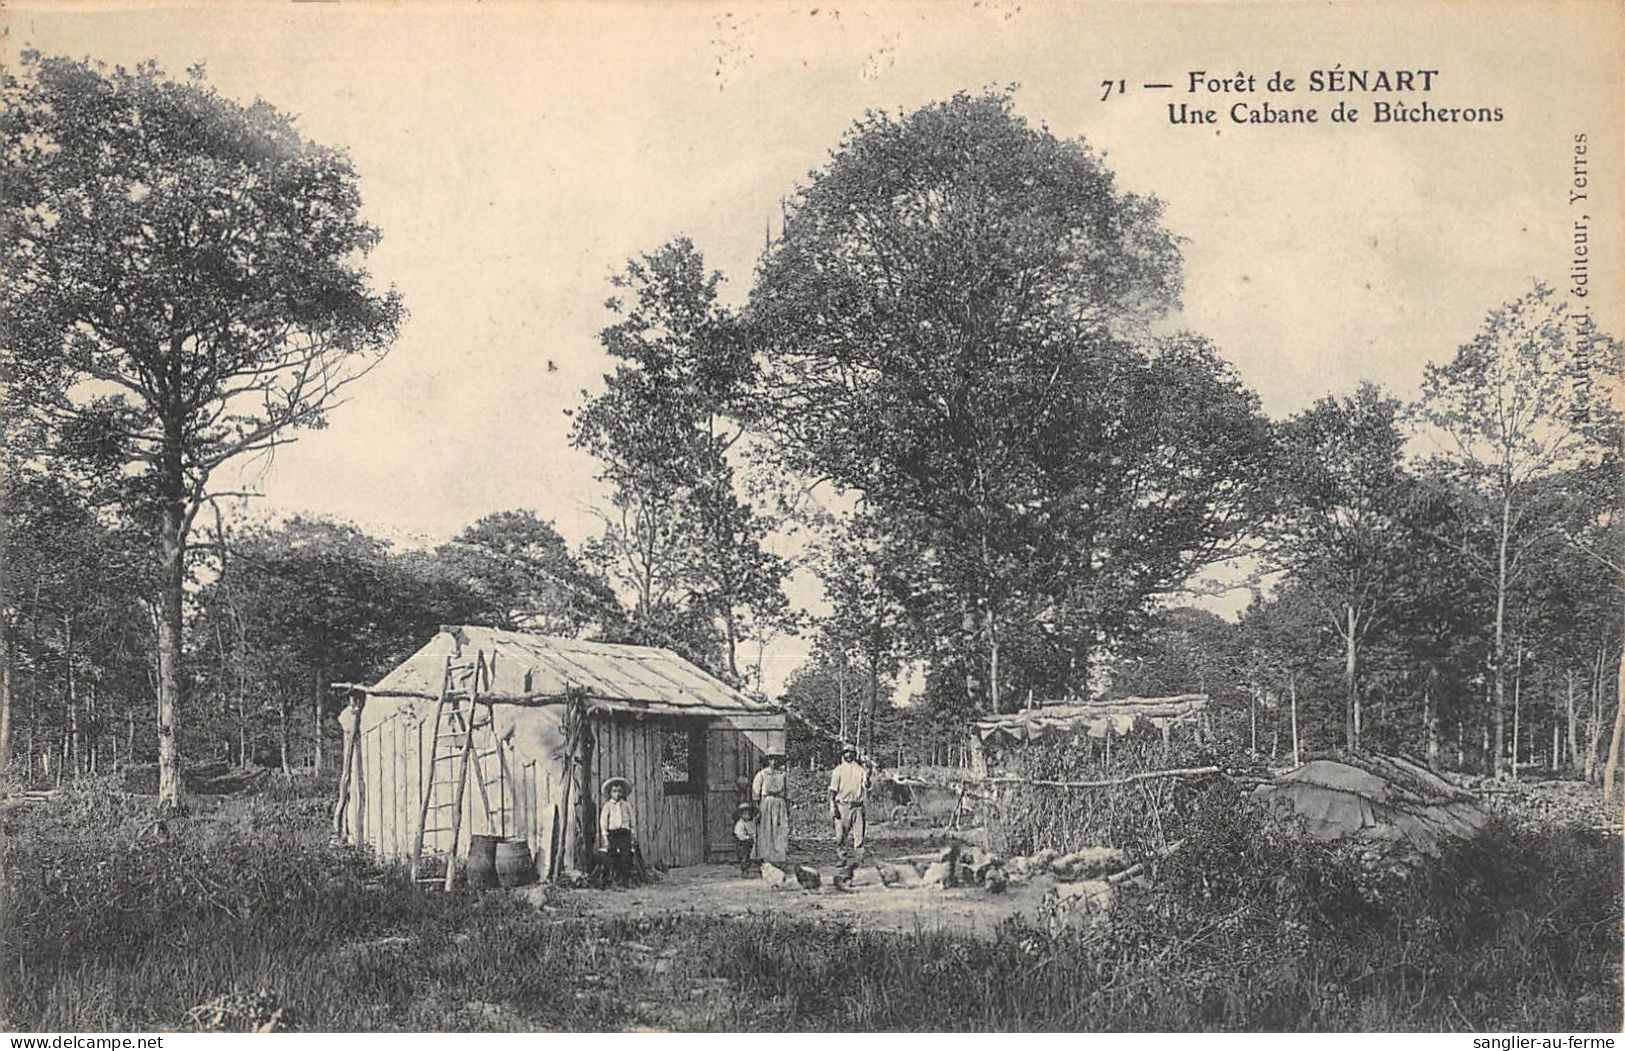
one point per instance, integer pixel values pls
(719, 890)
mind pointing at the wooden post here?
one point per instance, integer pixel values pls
(358, 789)
(350, 724)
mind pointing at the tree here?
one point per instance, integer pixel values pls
(76, 632)
(526, 577)
(1521, 403)
(1283, 648)
(1339, 524)
(952, 326)
(679, 536)
(1436, 626)
(293, 609)
(183, 285)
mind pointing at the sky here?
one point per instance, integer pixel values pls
(515, 155)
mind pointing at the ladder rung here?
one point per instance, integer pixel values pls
(492, 751)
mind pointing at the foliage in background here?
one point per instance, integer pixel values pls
(183, 288)
(1522, 406)
(952, 330)
(678, 536)
(1247, 927)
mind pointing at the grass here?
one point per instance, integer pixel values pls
(112, 925)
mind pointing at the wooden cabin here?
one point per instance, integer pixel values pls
(564, 716)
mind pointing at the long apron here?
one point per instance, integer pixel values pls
(772, 817)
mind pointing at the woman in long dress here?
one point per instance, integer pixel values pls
(772, 810)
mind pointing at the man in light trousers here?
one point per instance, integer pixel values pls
(848, 788)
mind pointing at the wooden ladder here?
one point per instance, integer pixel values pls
(464, 737)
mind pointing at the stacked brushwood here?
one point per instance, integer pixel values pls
(1065, 794)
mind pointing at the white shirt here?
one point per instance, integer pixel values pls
(849, 782)
(616, 814)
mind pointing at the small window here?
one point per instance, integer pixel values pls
(682, 759)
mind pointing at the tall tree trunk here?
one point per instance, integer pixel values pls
(1594, 736)
(840, 697)
(1517, 706)
(1351, 723)
(242, 695)
(74, 760)
(1292, 690)
(282, 734)
(1574, 741)
(993, 663)
(1500, 636)
(316, 723)
(5, 702)
(1252, 719)
(874, 689)
(1430, 722)
(171, 584)
(731, 636)
(1611, 768)
(93, 737)
(33, 684)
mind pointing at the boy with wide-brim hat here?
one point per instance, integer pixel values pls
(617, 830)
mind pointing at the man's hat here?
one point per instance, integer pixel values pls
(849, 749)
(745, 808)
(774, 752)
(613, 781)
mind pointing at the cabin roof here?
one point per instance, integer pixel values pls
(541, 669)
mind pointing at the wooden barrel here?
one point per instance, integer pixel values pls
(515, 867)
(482, 861)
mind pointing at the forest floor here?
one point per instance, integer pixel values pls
(868, 904)
(241, 916)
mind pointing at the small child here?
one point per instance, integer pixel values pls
(617, 835)
(745, 839)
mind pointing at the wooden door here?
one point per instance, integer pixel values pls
(730, 765)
